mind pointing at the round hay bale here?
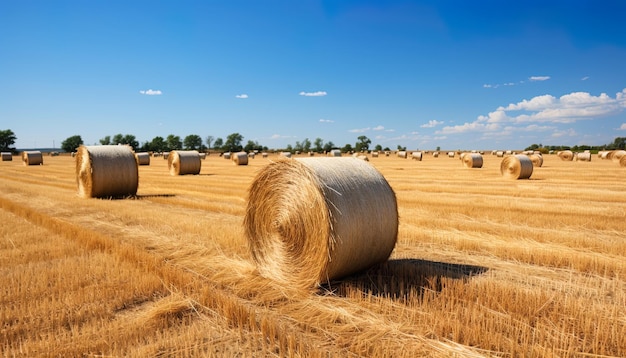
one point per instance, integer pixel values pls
(251, 155)
(104, 171)
(473, 160)
(417, 156)
(32, 157)
(182, 162)
(143, 158)
(499, 154)
(516, 167)
(312, 220)
(226, 155)
(435, 154)
(401, 154)
(622, 161)
(374, 154)
(264, 155)
(285, 154)
(6, 156)
(617, 155)
(536, 159)
(451, 154)
(240, 158)
(166, 156)
(583, 157)
(566, 155)
(335, 153)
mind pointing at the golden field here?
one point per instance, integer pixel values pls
(483, 266)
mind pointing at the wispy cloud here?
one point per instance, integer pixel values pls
(326, 121)
(280, 136)
(151, 92)
(378, 128)
(242, 96)
(431, 124)
(359, 130)
(584, 78)
(569, 108)
(623, 127)
(313, 94)
(539, 78)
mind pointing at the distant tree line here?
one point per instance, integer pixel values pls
(618, 143)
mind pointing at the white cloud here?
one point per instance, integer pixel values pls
(313, 94)
(242, 96)
(431, 124)
(539, 78)
(278, 136)
(469, 127)
(151, 92)
(359, 130)
(564, 133)
(623, 127)
(378, 128)
(326, 121)
(584, 78)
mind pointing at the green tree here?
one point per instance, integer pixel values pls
(70, 144)
(219, 142)
(233, 142)
(306, 145)
(401, 147)
(363, 144)
(619, 143)
(193, 142)
(378, 147)
(106, 140)
(7, 139)
(318, 145)
(329, 146)
(209, 140)
(173, 142)
(130, 139)
(117, 139)
(252, 146)
(347, 148)
(158, 144)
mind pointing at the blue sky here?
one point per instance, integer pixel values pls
(420, 74)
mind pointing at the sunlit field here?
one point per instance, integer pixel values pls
(483, 266)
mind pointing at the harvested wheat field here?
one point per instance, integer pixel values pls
(483, 266)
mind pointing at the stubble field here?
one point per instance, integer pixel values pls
(483, 266)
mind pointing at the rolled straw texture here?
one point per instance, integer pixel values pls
(617, 155)
(401, 154)
(622, 161)
(451, 154)
(566, 155)
(473, 160)
(182, 162)
(32, 157)
(143, 158)
(435, 154)
(583, 157)
(516, 167)
(312, 220)
(537, 160)
(7, 156)
(240, 158)
(106, 171)
(417, 156)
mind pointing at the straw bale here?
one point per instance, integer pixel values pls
(363, 157)
(32, 157)
(566, 155)
(622, 161)
(226, 155)
(473, 160)
(451, 154)
(182, 162)
(240, 158)
(6, 156)
(106, 171)
(616, 155)
(285, 154)
(537, 160)
(335, 153)
(583, 157)
(202, 156)
(374, 154)
(499, 154)
(143, 158)
(166, 156)
(401, 154)
(251, 155)
(417, 156)
(312, 220)
(435, 154)
(517, 166)
(264, 155)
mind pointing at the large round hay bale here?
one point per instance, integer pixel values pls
(32, 157)
(335, 153)
(473, 160)
(566, 155)
(616, 155)
(417, 156)
(583, 157)
(499, 154)
(226, 155)
(6, 156)
(312, 220)
(182, 162)
(536, 159)
(435, 154)
(240, 158)
(374, 154)
(401, 154)
(106, 171)
(143, 158)
(622, 161)
(517, 166)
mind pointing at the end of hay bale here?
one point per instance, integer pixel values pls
(312, 220)
(240, 158)
(183, 162)
(472, 160)
(517, 166)
(32, 157)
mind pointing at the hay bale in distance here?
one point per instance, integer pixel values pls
(536, 159)
(617, 155)
(517, 166)
(566, 155)
(335, 153)
(106, 171)
(417, 156)
(240, 158)
(6, 156)
(583, 157)
(143, 158)
(401, 154)
(473, 160)
(182, 162)
(226, 155)
(32, 157)
(312, 220)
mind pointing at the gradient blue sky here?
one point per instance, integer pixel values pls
(421, 74)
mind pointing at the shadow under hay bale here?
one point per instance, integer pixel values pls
(104, 171)
(312, 220)
(401, 278)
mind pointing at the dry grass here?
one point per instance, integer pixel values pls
(483, 266)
